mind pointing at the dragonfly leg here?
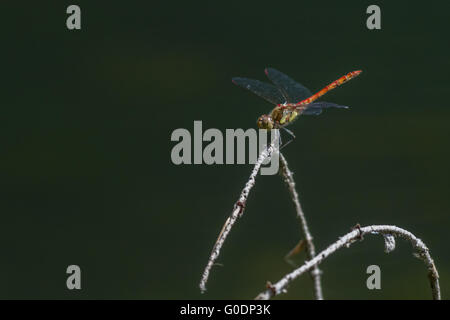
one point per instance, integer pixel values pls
(290, 132)
(292, 137)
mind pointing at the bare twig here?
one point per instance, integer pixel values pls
(310, 249)
(388, 232)
(238, 211)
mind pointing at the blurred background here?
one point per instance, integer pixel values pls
(87, 178)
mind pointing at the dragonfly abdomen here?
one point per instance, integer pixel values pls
(331, 86)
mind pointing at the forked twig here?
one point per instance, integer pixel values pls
(310, 249)
(238, 210)
(388, 232)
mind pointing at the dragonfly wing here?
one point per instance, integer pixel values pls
(262, 89)
(316, 108)
(312, 111)
(292, 91)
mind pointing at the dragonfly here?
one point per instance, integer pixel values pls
(291, 99)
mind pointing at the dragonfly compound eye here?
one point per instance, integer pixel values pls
(259, 122)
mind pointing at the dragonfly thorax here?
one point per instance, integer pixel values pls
(283, 115)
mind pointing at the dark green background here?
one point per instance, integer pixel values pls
(86, 174)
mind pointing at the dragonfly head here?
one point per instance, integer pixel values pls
(265, 122)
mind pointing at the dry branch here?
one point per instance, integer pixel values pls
(388, 232)
(310, 249)
(237, 212)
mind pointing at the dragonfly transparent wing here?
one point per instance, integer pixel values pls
(316, 108)
(292, 91)
(262, 89)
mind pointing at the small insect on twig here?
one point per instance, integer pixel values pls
(299, 247)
